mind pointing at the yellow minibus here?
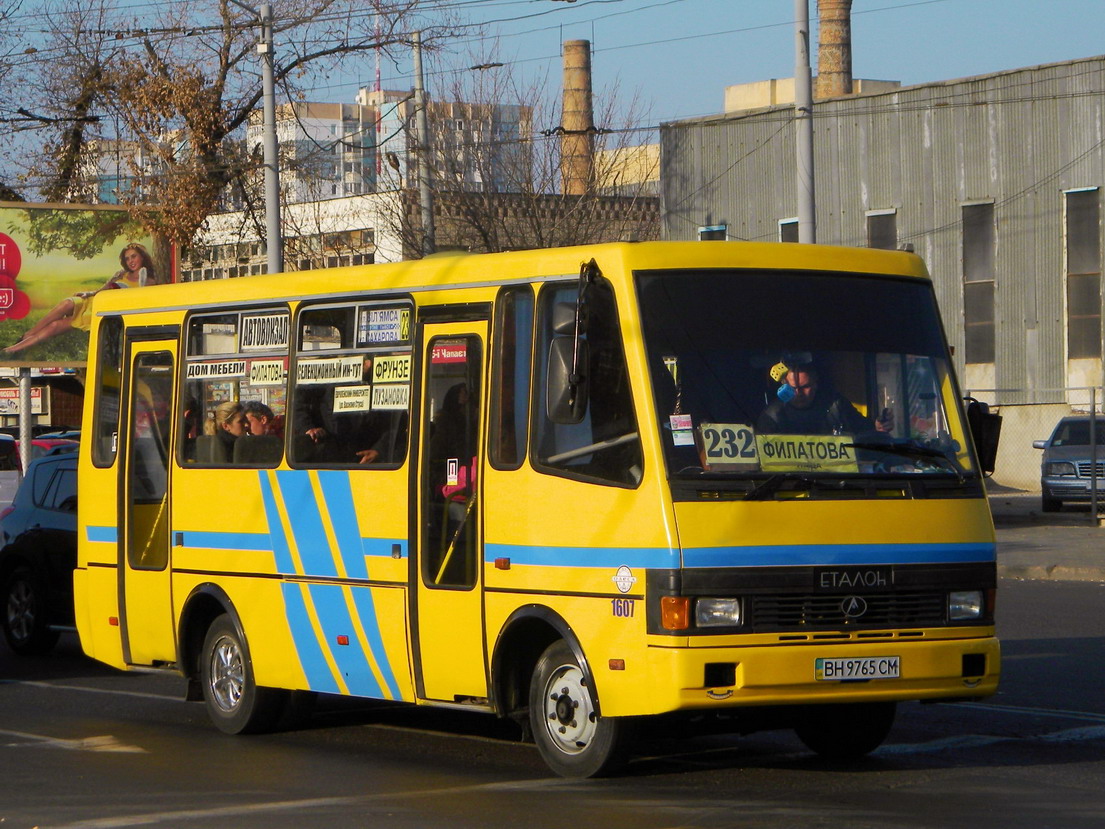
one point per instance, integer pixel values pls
(580, 487)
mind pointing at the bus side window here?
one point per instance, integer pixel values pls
(109, 373)
(604, 445)
(350, 397)
(510, 391)
(236, 374)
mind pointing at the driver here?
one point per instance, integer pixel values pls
(805, 408)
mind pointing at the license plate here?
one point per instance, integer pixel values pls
(857, 668)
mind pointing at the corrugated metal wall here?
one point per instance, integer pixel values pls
(1018, 139)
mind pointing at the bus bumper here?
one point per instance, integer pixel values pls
(723, 677)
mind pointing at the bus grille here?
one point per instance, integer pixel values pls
(816, 611)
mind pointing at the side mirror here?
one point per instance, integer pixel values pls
(561, 404)
(985, 429)
(1039, 444)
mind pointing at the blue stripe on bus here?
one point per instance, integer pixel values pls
(102, 535)
(352, 662)
(306, 522)
(583, 556)
(343, 517)
(836, 554)
(382, 547)
(281, 552)
(311, 657)
(227, 541)
(366, 610)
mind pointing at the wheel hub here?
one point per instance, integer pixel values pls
(227, 674)
(21, 611)
(569, 718)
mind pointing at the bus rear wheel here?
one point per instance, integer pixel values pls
(574, 741)
(845, 732)
(234, 701)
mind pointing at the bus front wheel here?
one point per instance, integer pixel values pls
(573, 739)
(234, 701)
(845, 732)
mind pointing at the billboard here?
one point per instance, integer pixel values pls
(53, 260)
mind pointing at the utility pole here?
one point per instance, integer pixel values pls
(422, 137)
(803, 124)
(274, 241)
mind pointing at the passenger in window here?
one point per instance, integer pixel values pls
(221, 432)
(325, 436)
(260, 418)
(453, 438)
(806, 407)
(262, 444)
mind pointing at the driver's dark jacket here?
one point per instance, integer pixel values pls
(828, 414)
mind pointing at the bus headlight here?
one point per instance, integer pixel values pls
(964, 604)
(712, 613)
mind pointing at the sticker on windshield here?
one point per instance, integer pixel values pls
(729, 444)
(806, 453)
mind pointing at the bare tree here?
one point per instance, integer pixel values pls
(183, 91)
(497, 169)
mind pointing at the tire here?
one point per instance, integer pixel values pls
(234, 701)
(1050, 504)
(845, 732)
(24, 614)
(573, 740)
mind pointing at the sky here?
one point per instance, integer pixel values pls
(679, 55)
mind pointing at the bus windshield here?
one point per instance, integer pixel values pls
(776, 377)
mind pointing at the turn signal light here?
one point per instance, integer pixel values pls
(675, 612)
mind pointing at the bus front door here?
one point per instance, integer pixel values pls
(448, 595)
(146, 614)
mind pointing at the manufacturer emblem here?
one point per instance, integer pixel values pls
(624, 579)
(853, 607)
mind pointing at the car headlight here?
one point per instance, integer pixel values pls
(712, 613)
(964, 604)
(1058, 468)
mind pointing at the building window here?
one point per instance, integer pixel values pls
(882, 229)
(1083, 231)
(788, 230)
(978, 282)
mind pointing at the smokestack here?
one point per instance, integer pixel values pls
(834, 48)
(577, 143)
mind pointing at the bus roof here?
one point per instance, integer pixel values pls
(484, 269)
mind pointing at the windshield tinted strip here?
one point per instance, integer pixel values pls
(612, 557)
(807, 554)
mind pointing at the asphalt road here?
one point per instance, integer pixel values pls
(82, 745)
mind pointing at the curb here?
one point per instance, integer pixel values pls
(1053, 572)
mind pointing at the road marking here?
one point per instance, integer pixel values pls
(104, 743)
(1056, 713)
(176, 818)
(59, 687)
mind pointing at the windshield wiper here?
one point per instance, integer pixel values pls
(769, 486)
(910, 450)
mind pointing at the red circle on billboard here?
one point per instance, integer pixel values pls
(11, 259)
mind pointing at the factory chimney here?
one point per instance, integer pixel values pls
(577, 141)
(834, 49)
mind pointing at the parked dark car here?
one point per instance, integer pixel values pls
(1067, 469)
(38, 551)
(9, 449)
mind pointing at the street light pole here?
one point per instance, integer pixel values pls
(803, 123)
(274, 242)
(422, 133)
